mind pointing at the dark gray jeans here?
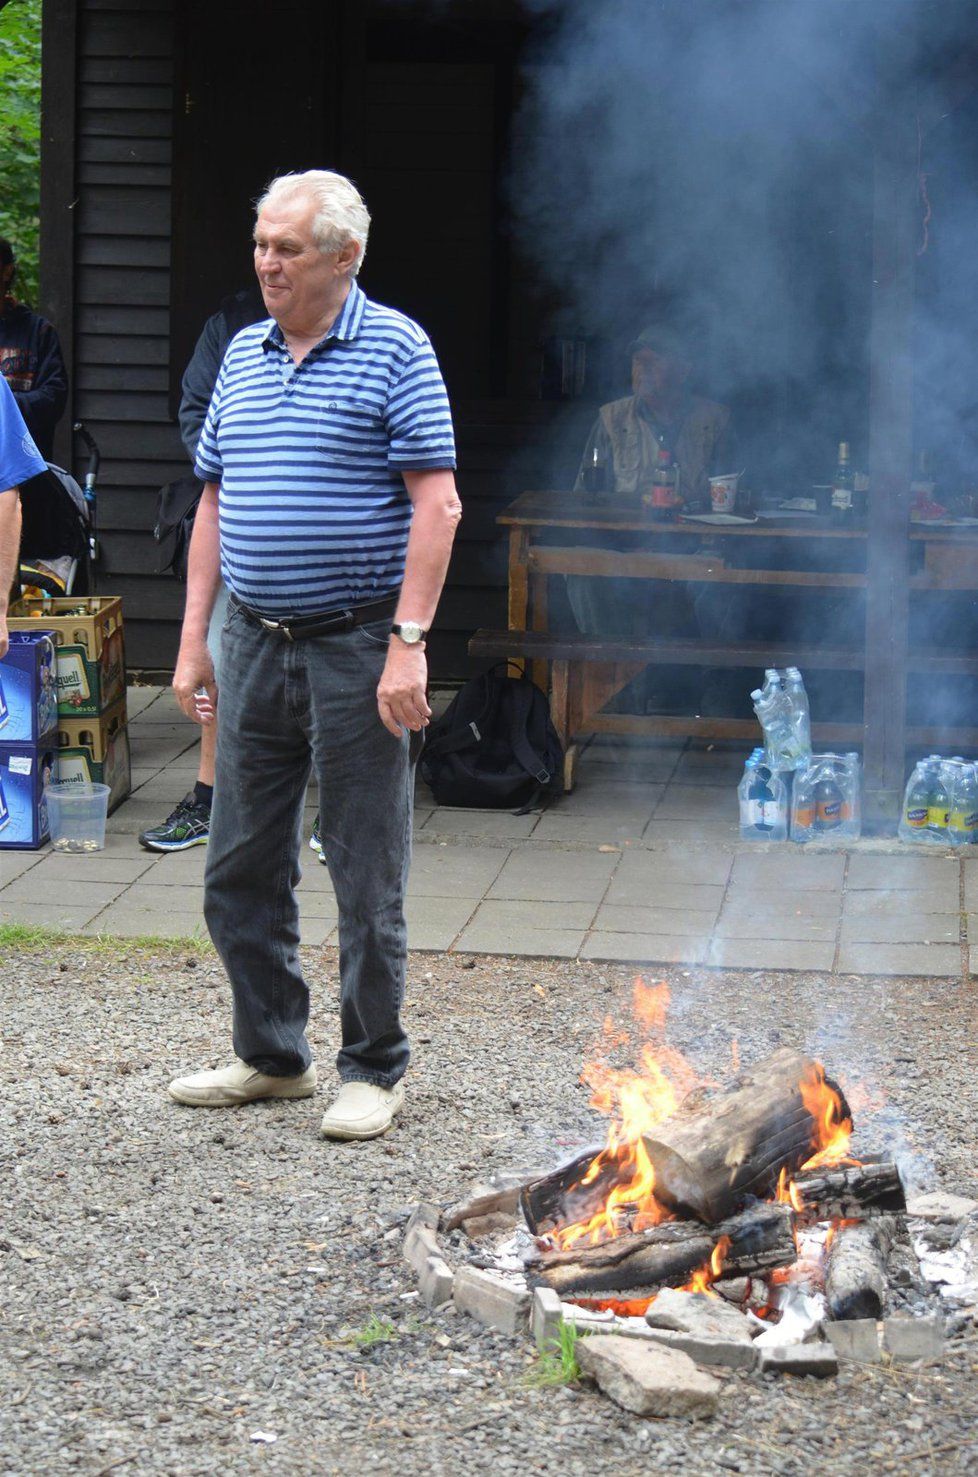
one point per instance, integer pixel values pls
(284, 707)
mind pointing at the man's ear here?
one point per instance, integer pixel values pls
(346, 257)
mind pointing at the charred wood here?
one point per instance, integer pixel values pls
(667, 1255)
(710, 1161)
(856, 1192)
(855, 1272)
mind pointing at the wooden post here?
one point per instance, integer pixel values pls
(895, 219)
(57, 237)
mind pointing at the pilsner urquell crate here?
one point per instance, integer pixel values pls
(25, 770)
(91, 657)
(97, 750)
(28, 704)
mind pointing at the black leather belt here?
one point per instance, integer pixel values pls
(300, 627)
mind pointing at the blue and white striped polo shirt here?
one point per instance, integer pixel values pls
(314, 513)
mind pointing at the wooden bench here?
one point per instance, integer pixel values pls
(582, 673)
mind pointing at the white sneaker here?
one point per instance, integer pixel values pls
(239, 1083)
(362, 1110)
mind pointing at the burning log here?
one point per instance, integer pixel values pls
(711, 1158)
(708, 1162)
(667, 1255)
(857, 1192)
(855, 1273)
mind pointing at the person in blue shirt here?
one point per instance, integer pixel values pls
(19, 461)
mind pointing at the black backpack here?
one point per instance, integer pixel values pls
(176, 509)
(495, 746)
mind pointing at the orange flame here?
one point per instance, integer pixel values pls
(832, 1124)
(623, 1307)
(703, 1278)
(635, 1099)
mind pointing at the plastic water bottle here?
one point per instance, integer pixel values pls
(915, 814)
(794, 688)
(938, 804)
(763, 802)
(781, 746)
(803, 804)
(962, 822)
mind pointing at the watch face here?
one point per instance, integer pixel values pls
(410, 632)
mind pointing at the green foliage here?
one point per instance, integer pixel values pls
(20, 137)
(557, 1363)
(374, 1331)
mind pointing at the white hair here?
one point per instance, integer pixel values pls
(341, 215)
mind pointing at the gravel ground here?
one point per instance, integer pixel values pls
(176, 1280)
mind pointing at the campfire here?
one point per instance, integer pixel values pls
(731, 1220)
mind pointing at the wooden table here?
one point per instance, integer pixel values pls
(562, 533)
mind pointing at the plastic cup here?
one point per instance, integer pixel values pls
(723, 492)
(76, 815)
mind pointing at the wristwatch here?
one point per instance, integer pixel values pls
(409, 631)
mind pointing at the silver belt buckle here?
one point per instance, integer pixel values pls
(277, 627)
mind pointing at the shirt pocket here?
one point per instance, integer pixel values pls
(344, 426)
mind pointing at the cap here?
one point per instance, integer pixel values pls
(663, 339)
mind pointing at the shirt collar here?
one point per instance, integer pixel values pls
(346, 325)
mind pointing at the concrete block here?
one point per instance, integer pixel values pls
(545, 1317)
(697, 1313)
(419, 1244)
(437, 1282)
(908, 1339)
(713, 1352)
(491, 1300)
(733, 1289)
(816, 1359)
(423, 1214)
(647, 1378)
(854, 1338)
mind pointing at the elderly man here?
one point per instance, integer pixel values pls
(20, 460)
(330, 508)
(661, 414)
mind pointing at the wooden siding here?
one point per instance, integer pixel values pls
(128, 75)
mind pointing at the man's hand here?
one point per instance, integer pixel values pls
(401, 699)
(194, 670)
(4, 638)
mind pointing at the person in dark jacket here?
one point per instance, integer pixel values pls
(30, 359)
(189, 823)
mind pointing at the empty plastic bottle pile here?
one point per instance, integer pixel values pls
(781, 706)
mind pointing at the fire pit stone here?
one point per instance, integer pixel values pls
(647, 1378)
(909, 1339)
(545, 1317)
(855, 1338)
(818, 1359)
(492, 1300)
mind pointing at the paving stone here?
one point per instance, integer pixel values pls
(612, 918)
(789, 869)
(646, 948)
(940, 1206)
(15, 863)
(673, 866)
(901, 959)
(436, 1282)
(697, 802)
(816, 1359)
(752, 901)
(908, 928)
(554, 876)
(99, 866)
(545, 1317)
(490, 1300)
(647, 1378)
(855, 1338)
(711, 831)
(899, 904)
(590, 830)
(457, 871)
(759, 922)
(437, 920)
(770, 954)
(46, 914)
(530, 943)
(618, 802)
(119, 921)
(446, 821)
(886, 873)
(909, 1339)
(71, 892)
(660, 890)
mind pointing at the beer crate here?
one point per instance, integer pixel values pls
(91, 656)
(25, 770)
(97, 750)
(28, 704)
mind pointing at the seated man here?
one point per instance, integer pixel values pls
(628, 436)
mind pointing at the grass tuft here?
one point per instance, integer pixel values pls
(557, 1363)
(374, 1331)
(32, 937)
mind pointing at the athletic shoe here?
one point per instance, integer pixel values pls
(228, 1086)
(188, 825)
(316, 841)
(362, 1110)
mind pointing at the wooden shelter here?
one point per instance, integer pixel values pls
(162, 119)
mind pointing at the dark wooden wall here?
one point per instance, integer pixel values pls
(148, 266)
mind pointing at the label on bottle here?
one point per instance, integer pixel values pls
(917, 816)
(962, 821)
(762, 814)
(804, 816)
(937, 817)
(829, 812)
(72, 679)
(841, 498)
